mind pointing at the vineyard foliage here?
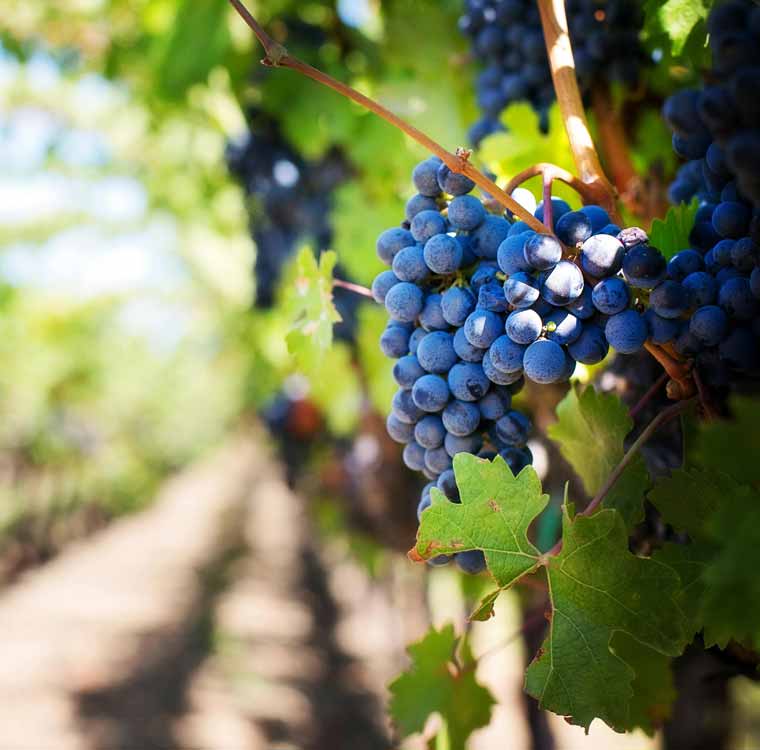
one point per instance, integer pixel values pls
(618, 611)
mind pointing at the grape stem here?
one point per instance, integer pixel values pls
(615, 150)
(679, 372)
(555, 173)
(562, 64)
(662, 418)
(278, 56)
(648, 396)
(546, 184)
(356, 288)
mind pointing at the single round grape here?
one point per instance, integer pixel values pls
(516, 458)
(453, 183)
(496, 376)
(542, 251)
(456, 304)
(644, 266)
(524, 326)
(602, 255)
(487, 238)
(511, 254)
(661, 330)
(391, 241)
(495, 404)
(418, 203)
(467, 381)
(437, 460)
(465, 350)
(544, 361)
(684, 263)
(670, 299)
(466, 212)
(404, 302)
(562, 327)
(506, 355)
(611, 296)
(731, 219)
(399, 431)
(721, 252)
(454, 444)
(404, 407)
(414, 456)
(417, 335)
(563, 284)
(394, 341)
(574, 228)
(381, 284)
(583, 306)
(701, 288)
(708, 325)
(590, 347)
(491, 297)
(443, 254)
(513, 429)
(429, 432)
(431, 315)
(626, 331)
(521, 289)
(736, 298)
(425, 177)
(427, 224)
(484, 273)
(745, 254)
(461, 417)
(633, 236)
(406, 371)
(430, 393)
(482, 328)
(525, 198)
(597, 216)
(435, 352)
(471, 561)
(409, 264)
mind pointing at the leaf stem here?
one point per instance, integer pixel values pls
(278, 56)
(562, 64)
(649, 395)
(664, 416)
(356, 288)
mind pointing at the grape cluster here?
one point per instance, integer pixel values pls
(717, 127)
(507, 39)
(477, 304)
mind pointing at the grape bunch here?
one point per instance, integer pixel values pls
(717, 127)
(507, 39)
(477, 304)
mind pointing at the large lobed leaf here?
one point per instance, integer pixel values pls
(597, 589)
(590, 430)
(441, 679)
(496, 510)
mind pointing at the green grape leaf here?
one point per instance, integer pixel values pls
(496, 510)
(589, 431)
(730, 447)
(688, 499)
(198, 41)
(653, 688)
(311, 308)
(440, 680)
(671, 234)
(677, 19)
(598, 588)
(732, 586)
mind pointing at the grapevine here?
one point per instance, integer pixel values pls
(493, 295)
